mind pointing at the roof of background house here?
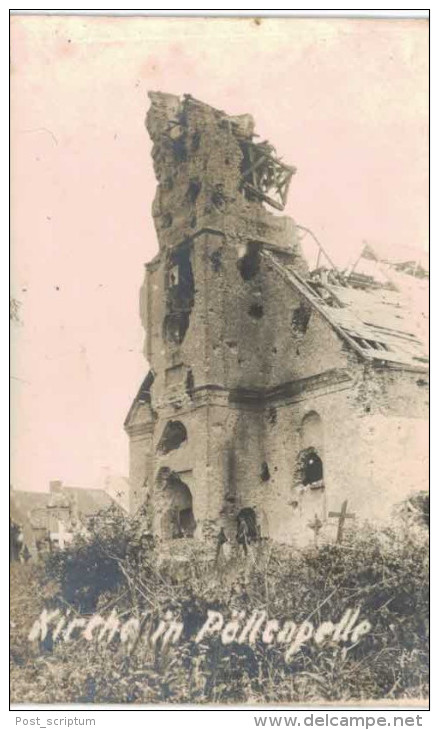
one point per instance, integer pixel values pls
(89, 501)
(30, 506)
(33, 506)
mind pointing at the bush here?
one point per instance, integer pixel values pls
(384, 572)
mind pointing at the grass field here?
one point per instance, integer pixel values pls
(382, 572)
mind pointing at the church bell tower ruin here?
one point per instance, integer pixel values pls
(257, 378)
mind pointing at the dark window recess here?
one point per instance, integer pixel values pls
(249, 264)
(179, 296)
(300, 318)
(265, 472)
(196, 141)
(174, 435)
(310, 467)
(256, 311)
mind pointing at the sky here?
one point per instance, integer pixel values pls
(345, 101)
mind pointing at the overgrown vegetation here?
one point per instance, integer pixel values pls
(384, 572)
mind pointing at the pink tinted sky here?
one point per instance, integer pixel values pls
(343, 100)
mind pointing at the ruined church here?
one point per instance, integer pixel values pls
(275, 393)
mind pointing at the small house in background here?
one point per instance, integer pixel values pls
(50, 520)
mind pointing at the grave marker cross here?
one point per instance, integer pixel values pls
(343, 515)
(316, 526)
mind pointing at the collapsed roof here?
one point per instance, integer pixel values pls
(378, 321)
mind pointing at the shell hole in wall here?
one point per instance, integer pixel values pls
(300, 318)
(249, 264)
(265, 472)
(173, 436)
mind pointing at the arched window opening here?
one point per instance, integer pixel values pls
(178, 519)
(174, 435)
